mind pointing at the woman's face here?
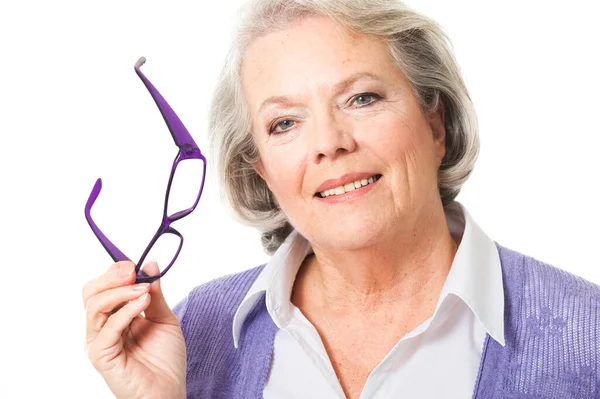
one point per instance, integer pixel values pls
(327, 105)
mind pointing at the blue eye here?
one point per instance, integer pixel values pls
(365, 99)
(284, 124)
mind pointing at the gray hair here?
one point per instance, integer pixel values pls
(421, 50)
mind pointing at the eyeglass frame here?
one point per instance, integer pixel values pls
(188, 149)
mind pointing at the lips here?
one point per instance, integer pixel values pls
(360, 185)
(343, 180)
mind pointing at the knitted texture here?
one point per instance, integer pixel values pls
(214, 368)
(551, 330)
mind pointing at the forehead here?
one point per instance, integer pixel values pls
(311, 54)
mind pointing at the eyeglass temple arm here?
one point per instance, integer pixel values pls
(182, 137)
(112, 250)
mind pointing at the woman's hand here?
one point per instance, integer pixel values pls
(138, 356)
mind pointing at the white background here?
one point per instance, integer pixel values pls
(72, 109)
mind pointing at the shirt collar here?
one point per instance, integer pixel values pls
(476, 273)
(277, 280)
(475, 277)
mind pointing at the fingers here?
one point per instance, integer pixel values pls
(158, 310)
(117, 275)
(105, 294)
(102, 305)
(113, 301)
(106, 341)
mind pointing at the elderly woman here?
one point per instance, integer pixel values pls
(343, 131)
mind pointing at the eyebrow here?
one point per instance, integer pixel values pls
(339, 87)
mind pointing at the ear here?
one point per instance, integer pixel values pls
(438, 130)
(259, 168)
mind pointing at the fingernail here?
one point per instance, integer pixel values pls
(141, 286)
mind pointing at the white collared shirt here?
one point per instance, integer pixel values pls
(438, 359)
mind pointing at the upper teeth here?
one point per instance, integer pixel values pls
(348, 187)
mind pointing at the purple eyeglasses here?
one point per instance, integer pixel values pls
(187, 150)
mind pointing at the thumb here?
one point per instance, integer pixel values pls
(158, 310)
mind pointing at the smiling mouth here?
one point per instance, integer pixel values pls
(348, 187)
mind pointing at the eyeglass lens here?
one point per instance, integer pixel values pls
(185, 185)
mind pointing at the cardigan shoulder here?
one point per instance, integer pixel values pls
(550, 302)
(552, 334)
(551, 278)
(206, 318)
(215, 299)
(222, 294)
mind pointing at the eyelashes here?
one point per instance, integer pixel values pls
(276, 124)
(287, 123)
(365, 95)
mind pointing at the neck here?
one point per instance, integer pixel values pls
(404, 272)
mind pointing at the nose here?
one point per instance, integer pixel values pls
(332, 137)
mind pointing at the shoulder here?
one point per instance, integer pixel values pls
(234, 284)
(206, 318)
(551, 319)
(526, 276)
(551, 331)
(220, 296)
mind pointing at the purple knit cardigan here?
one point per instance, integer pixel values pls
(552, 332)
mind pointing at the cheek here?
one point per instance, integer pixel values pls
(410, 137)
(284, 168)
(401, 143)
(393, 139)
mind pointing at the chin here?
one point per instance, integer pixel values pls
(350, 235)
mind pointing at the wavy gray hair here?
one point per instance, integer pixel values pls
(421, 50)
